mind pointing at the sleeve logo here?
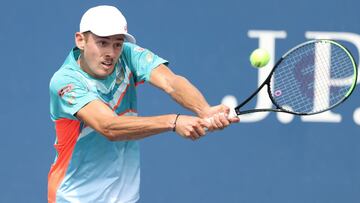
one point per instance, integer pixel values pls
(65, 90)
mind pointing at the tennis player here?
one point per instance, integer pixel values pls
(93, 105)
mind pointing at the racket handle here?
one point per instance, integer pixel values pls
(232, 114)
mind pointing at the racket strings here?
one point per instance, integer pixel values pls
(312, 78)
(286, 99)
(340, 67)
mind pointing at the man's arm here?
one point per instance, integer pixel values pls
(187, 95)
(101, 118)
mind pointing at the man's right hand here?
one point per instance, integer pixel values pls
(191, 127)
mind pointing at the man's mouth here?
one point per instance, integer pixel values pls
(107, 64)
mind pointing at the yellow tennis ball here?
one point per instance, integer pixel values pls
(259, 58)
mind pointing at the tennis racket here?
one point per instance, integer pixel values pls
(311, 78)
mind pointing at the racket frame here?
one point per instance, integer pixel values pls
(268, 80)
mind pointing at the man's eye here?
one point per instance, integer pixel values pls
(102, 43)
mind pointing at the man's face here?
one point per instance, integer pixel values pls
(100, 54)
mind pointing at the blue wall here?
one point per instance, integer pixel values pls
(263, 161)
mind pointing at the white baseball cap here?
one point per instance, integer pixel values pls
(105, 21)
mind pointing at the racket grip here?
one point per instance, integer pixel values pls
(232, 114)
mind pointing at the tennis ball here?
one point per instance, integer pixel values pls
(259, 58)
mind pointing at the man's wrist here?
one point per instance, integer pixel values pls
(204, 112)
(175, 121)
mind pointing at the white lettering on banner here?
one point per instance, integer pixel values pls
(356, 116)
(344, 36)
(267, 41)
(329, 116)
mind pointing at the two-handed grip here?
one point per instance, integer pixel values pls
(232, 114)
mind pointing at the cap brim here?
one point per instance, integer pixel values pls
(130, 38)
(103, 33)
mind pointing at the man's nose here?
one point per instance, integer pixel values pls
(111, 52)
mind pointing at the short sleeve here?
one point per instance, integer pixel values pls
(67, 96)
(141, 61)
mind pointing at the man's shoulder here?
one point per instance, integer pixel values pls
(129, 48)
(64, 76)
(64, 72)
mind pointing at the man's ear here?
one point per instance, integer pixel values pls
(80, 40)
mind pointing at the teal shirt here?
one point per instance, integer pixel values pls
(88, 167)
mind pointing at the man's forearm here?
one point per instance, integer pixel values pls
(134, 127)
(187, 95)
